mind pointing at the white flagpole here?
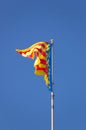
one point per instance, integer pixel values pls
(52, 93)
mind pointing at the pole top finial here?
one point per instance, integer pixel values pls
(52, 41)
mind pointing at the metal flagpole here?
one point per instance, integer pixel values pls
(52, 92)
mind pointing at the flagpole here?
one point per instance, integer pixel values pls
(52, 92)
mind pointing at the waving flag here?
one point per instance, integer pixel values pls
(42, 52)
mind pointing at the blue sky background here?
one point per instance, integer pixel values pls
(24, 98)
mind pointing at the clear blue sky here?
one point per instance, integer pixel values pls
(24, 98)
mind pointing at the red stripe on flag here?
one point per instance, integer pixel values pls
(44, 69)
(43, 61)
(42, 44)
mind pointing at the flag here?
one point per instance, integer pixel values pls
(41, 51)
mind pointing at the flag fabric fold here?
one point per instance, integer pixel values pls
(41, 52)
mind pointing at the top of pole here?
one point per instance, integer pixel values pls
(52, 41)
(52, 63)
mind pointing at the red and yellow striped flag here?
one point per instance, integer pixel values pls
(42, 52)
